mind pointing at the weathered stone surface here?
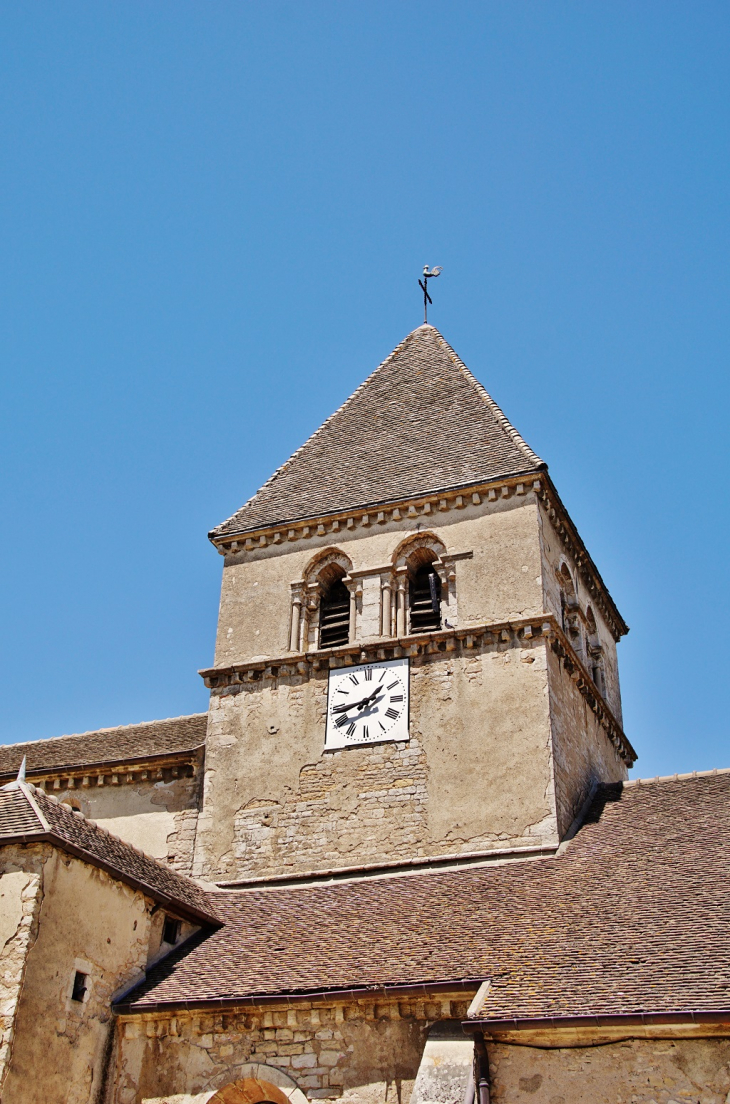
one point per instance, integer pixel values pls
(356, 1052)
(85, 921)
(632, 1072)
(446, 1068)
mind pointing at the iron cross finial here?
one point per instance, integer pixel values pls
(436, 271)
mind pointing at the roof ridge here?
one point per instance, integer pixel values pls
(313, 436)
(495, 409)
(29, 791)
(673, 777)
(101, 731)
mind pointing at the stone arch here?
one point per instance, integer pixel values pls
(565, 578)
(258, 1084)
(421, 583)
(415, 551)
(328, 565)
(570, 612)
(328, 571)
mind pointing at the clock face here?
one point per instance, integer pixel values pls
(367, 704)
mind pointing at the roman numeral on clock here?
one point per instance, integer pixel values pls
(365, 733)
(392, 713)
(368, 674)
(396, 697)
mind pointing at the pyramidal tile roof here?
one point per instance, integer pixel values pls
(420, 423)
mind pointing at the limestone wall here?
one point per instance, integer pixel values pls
(369, 1052)
(89, 923)
(582, 752)
(361, 1053)
(153, 809)
(660, 1071)
(476, 773)
(501, 580)
(554, 556)
(20, 897)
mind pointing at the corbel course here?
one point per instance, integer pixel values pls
(432, 505)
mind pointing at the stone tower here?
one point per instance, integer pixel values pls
(416, 656)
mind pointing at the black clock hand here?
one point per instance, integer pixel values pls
(359, 704)
(349, 705)
(370, 699)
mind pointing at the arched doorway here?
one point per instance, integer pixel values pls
(249, 1090)
(259, 1084)
(255, 1084)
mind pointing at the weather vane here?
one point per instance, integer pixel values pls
(424, 285)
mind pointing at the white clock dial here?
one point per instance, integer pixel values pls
(367, 704)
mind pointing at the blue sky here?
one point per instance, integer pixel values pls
(213, 217)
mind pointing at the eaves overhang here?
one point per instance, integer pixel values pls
(134, 762)
(352, 993)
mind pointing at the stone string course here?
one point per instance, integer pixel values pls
(55, 781)
(473, 639)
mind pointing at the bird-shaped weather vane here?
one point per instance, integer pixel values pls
(427, 275)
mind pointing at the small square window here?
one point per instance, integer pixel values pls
(78, 993)
(171, 931)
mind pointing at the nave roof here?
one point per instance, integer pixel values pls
(148, 740)
(632, 916)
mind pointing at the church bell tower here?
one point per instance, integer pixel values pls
(416, 656)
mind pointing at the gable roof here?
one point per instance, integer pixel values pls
(148, 740)
(28, 815)
(632, 917)
(420, 423)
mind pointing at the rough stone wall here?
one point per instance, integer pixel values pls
(20, 897)
(155, 813)
(181, 841)
(582, 752)
(362, 1053)
(500, 581)
(632, 1072)
(476, 773)
(89, 923)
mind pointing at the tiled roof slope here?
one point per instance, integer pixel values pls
(108, 745)
(28, 814)
(420, 423)
(633, 917)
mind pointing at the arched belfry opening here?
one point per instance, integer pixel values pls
(422, 585)
(424, 598)
(334, 610)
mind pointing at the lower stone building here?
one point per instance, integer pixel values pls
(399, 859)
